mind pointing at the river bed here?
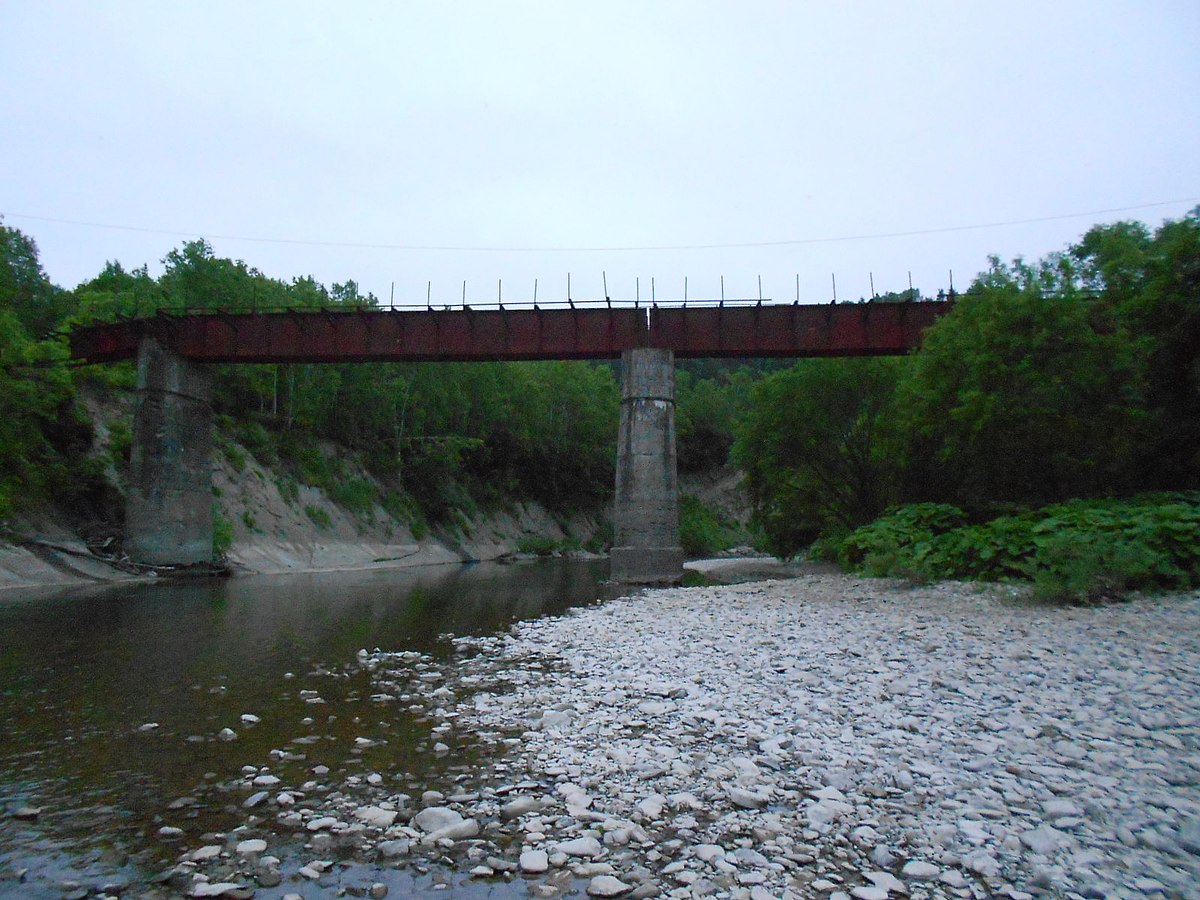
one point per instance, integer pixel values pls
(133, 709)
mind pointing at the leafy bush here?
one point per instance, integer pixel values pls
(541, 545)
(319, 517)
(311, 465)
(700, 530)
(358, 495)
(602, 540)
(120, 441)
(896, 534)
(222, 536)
(289, 489)
(255, 438)
(1081, 551)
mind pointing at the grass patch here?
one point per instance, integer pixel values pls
(539, 545)
(222, 535)
(357, 495)
(319, 517)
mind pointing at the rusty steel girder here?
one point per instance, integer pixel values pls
(859, 329)
(461, 335)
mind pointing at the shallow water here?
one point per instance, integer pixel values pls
(112, 700)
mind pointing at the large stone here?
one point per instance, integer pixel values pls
(534, 862)
(581, 846)
(436, 818)
(607, 886)
(375, 816)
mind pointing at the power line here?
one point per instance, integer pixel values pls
(791, 242)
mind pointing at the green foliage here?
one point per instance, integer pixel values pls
(602, 540)
(37, 306)
(248, 520)
(816, 448)
(357, 495)
(222, 537)
(310, 464)
(701, 533)
(706, 412)
(547, 546)
(120, 441)
(896, 535)
(235, 455)
(1081, 551)
(1018, 396)
(1077, 376)
(419, 528)
(319, 517)
(289, 489)
(255, 438)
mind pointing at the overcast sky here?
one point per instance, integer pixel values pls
(405, 143)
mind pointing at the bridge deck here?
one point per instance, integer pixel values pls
(460, 335)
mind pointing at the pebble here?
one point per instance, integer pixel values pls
(811, 735)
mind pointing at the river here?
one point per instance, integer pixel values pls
(114, 701)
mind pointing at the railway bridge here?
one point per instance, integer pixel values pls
(169, 503)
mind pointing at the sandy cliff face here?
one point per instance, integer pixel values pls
(277, 524)
(277, 533)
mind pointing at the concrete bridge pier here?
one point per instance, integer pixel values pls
(646, 513)
(168, 508)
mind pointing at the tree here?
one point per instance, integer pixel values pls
(24, 288)
(816, 449)
(1153, 285)
(1023, 393)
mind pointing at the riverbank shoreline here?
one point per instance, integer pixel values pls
(826, 736)
(43, 554)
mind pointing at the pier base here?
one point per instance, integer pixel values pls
(646, 513)
(168, 508)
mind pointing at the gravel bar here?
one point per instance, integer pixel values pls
(825, 736)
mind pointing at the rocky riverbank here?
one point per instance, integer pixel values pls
(827, 736)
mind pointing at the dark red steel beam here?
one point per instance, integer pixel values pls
(373, 335)
(858, 329)
(478, 335)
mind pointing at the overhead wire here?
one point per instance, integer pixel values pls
(733, 245)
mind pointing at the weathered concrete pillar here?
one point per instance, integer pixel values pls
(168, 509)
(646, 515)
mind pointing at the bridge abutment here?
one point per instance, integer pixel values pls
(168, 508)
(646, 549)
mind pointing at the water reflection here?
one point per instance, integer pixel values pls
(112, 699)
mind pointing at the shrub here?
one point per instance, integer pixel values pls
(1081, 551)
(255, 438)
(120, 441)
(895, 535)
(289, 489)
(358, 495)
(701, 532)
(319, 517)
(222, 536)
(540, 545)
(602, 540)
